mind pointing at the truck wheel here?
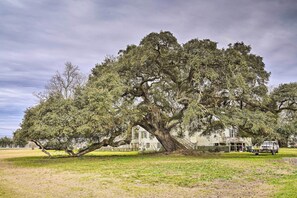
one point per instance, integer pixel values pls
(273, 152)
(256, 153)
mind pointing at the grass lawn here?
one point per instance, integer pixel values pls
(27, 173)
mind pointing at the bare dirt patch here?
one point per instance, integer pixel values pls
(239, 188)
(219, 188)
(291, 160)
(42, 182)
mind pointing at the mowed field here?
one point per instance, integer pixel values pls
(29, 173)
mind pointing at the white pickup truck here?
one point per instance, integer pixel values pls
(266, 147)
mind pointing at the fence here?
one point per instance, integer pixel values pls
(198, 148)
(117, 149)
(213, 148)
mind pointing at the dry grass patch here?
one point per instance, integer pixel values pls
(227, 175)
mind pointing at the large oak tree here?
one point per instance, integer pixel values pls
(192, 86)
(165, 87)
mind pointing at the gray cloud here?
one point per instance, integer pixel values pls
(38, 37)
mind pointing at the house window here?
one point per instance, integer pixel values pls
(143, 134)
(135, 135)
(158, 145)
(232, 132)
(148, 145)
(151, 136)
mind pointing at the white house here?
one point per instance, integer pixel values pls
(143, 140)
(292, 141)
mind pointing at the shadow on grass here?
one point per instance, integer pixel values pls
(101, 157)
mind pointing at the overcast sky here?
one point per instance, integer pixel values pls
(38, 36)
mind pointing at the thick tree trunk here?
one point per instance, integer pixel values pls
(168, 142)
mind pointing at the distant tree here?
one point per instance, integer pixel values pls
(284, 103)
(18, 140)
(6, 142)
(65, 83)
(287, 129)
(284, 98)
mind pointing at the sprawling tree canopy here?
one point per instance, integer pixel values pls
(195, 85)
(166, 88)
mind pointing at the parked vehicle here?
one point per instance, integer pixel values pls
(266, 147)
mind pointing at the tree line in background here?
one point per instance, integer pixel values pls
(165, 87)
(6, 142)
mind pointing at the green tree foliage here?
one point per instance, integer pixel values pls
(18, 140)
(92, 118)
(6, 142)
(284, 98)
(166, 88)
(51, 124)
(287, 130)
(195, 86)
(284, 103)
(104, 118)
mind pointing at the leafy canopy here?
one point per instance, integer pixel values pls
(165, 87)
